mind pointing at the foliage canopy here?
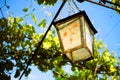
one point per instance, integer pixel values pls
(18, 40)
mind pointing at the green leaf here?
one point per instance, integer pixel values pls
(27, 72)
(25, 9)
(7, 6)
(3, 22)
(40, 1)
(4, 77)
(17, 19)
(42, 23)
(2, 67)
(73, 78)
(47, 2)
(9, 65)
(17, 73)
(34, 18)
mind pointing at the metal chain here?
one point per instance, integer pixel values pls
(76, 5)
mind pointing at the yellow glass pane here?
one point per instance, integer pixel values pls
(80, 54)
(70, 35)
(89, 36)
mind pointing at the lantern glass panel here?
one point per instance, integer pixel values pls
(80, 54)
(70, 34)
(88, 36)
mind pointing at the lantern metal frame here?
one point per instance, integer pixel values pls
(76, 17)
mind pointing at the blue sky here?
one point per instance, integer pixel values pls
(106, 22)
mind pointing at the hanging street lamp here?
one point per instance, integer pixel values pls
(76, 35)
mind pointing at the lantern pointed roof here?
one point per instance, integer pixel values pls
(81, 13)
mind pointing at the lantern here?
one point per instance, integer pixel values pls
(76, 34)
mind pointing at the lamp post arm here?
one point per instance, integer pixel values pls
(112, 3)
(103, 5)
(40, 43)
